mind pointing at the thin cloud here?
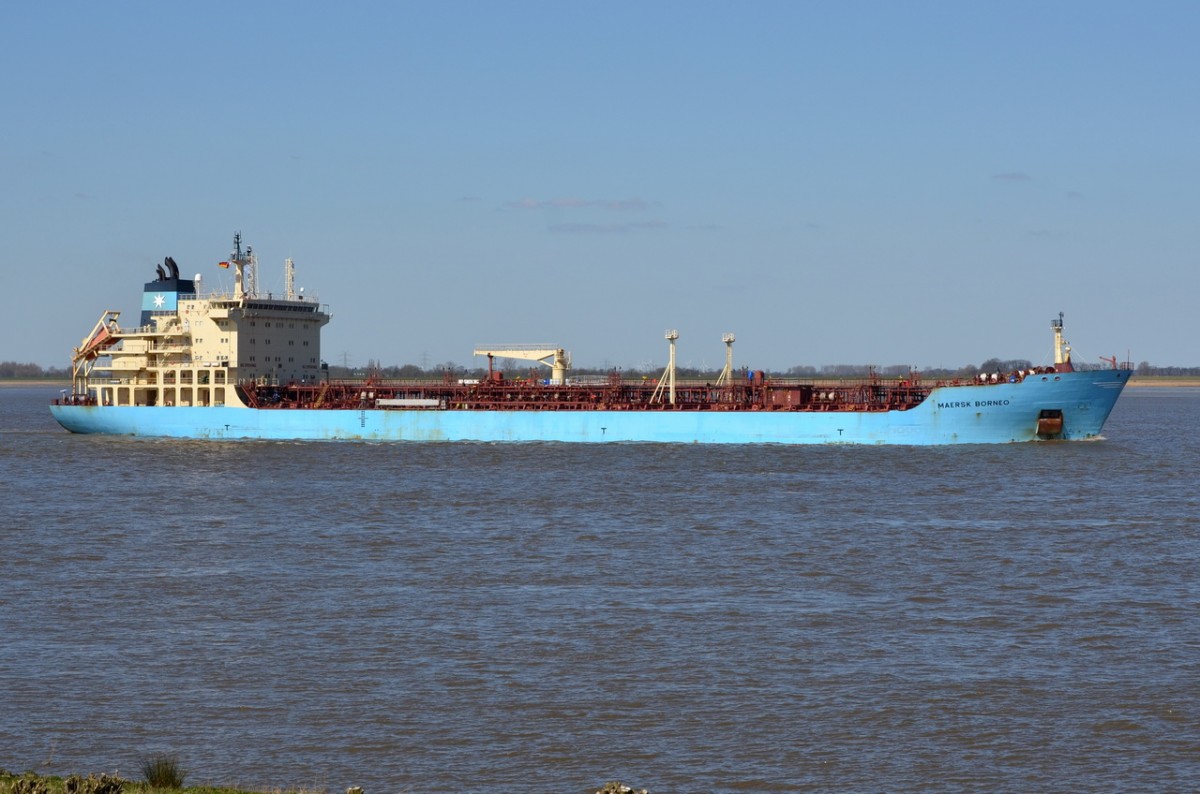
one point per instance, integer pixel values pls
(606, 228)
(1013, 176)
(617, 205)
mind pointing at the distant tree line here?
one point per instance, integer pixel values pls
(1146, 368)
(15, 371)
(517, 369)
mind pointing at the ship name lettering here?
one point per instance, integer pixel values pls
(976, 404)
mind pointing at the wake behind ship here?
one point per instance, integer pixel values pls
(240, 365)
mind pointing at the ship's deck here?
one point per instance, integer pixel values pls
(614, 394)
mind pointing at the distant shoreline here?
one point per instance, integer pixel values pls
(1163, 381)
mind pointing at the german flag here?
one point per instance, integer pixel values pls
(223, 264)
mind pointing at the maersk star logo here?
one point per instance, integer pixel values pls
(159, 300)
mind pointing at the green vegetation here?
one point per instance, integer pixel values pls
(30, 783)
(163, 771)
(11, 370)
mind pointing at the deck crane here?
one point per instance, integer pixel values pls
(553, 357)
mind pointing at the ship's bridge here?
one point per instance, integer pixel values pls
(191, 348)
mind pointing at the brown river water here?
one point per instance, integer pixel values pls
(543, 617)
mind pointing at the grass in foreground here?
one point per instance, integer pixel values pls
(31, 783)
(163, 771)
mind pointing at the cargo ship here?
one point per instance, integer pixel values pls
(238, 364)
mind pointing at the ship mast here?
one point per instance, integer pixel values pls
(1062, 348)
(726, 376)
(245, 280)
(668, 377)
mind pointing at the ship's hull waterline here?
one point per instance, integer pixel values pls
(982, 414)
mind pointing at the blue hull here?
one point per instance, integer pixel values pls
(989, 414)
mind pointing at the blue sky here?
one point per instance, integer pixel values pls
(859, 182)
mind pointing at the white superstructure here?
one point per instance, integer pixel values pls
(192, 349)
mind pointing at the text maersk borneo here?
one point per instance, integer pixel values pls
(241, 365)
